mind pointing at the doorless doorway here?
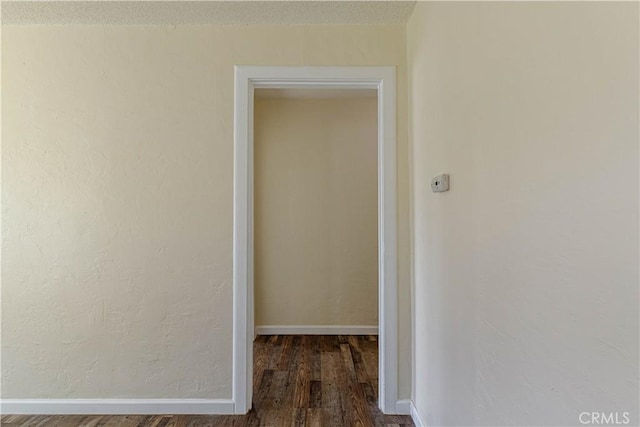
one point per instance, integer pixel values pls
(247, 79)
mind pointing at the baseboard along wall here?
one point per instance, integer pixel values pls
(116, 406)
(316, 330)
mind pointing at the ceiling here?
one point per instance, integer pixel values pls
(161, 12)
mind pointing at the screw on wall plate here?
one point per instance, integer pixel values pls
(440, 183)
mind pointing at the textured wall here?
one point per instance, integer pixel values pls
(526, 272)
(316, 219)
(117, 200)
(186, 12)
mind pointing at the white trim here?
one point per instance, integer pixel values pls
(316, 330)
(418, 420)
(403, 407)
(247, 78)
(116, 406)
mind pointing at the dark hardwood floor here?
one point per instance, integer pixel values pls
(298, 380)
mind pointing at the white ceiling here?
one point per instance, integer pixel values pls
(163, 12)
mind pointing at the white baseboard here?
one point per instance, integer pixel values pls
(403, 407)
(316, 330)
(418, 420)
(117, 406)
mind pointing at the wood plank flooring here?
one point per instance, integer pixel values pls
(299, 380)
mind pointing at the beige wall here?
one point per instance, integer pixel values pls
(316, 196)
(526, 272)
(117, 200)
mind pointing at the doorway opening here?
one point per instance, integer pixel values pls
(315, 261)
(315, 212)
(381, 80)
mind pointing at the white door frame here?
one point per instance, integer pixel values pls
(248, 78)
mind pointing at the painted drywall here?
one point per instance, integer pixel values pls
(247, 12)
(316, 211)
(526, 272)
(117, 156)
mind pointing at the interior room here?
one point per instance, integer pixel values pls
(315, 252)
(315, 204)
(320, 213)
